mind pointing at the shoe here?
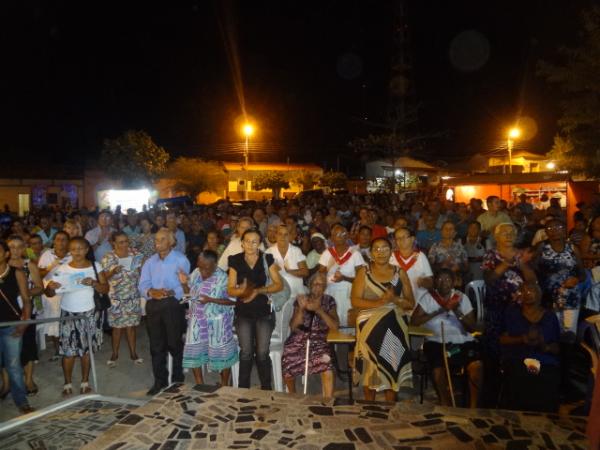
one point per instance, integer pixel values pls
(26, 409)
(85, 388)
(67, 390)
(155, 390)
(137, 360)
(111, 364)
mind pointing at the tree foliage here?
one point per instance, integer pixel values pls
(307, 179)
(275, 180)
(334, 180)
(577, 75)
(193, 176)
(134, 158)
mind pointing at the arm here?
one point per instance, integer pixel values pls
(233, 289)
(298, 316)
(330, 318)
(24, 293)
(467, 320)
(276, 283)
(419, 316)
(36, 278)
(100, 285)
(301, 271)
(408, 300)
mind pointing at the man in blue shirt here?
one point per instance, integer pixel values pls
(171, 223)
(160, 285)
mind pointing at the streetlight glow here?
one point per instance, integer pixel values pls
(514, 133)
(248, 129)
(551, 165)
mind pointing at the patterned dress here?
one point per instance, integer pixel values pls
(125, 310)
(209, 338)
(498, 295)
(294, 349)
(144, 243)
(553, 268)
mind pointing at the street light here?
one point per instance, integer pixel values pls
(247, 131)
(513, 134)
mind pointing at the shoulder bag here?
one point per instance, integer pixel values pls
(278, 299)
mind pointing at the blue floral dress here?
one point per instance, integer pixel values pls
(125, 302)
(209, 338)
(498, 295)
(553, 268)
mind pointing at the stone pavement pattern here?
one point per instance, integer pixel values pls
(183, 417)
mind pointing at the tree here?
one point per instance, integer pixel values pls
(577, 76)
(193, 176)
(334, 180)
(134, 158)
(307, 179)
(274, 180)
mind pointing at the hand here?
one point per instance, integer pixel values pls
(87, 281)
(525, 256)
(53, 285)
(157, 294)
(249, 297)
(337, 277)
(509, 258)
(313, 304)
(570, 282)
(204, 299)
(19, 330)
(421, 282)
(302, 301)
(183, 277)
(115, 270)
(388, 296)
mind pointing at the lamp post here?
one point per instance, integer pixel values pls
(513, 134)
(247, 131)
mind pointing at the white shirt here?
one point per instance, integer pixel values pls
(348, 269)
(233, 248)
(421, 268)
(454, 331)
(47, 260)
(78, 297)
(292, 257)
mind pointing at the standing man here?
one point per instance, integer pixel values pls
(172, 225)
(46, 232)
(99, 237)
(160, 285)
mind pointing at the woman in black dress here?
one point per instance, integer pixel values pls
(254, 318)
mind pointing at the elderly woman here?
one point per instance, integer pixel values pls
(560, 269)
(144, 241)
(290, 259)
(375, 285)
(449, 253)
(530, 332)
(121, 267)
(77, 280)
(253, 275)
(209, 339)
(452, 309)
(314, 316)
(505, 268)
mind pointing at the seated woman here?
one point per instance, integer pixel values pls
(377, 285)
(314, 314)
(453, 309)
(531, 333)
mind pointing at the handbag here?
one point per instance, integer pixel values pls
(101, 301)
(278, 299)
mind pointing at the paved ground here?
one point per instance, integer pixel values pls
(125, 380)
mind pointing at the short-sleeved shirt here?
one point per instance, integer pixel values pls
(454, 331)
(420, 269)
(255, 276)
(488, 221)
(293, 256)
(347, 269)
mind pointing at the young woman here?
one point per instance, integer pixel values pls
(254, 319)
(314, 316)
(121, 268)
(212, 243)
(76, 280)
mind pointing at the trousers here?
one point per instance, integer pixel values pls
(254, 337)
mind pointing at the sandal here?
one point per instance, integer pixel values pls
(85, 388)
(67, 390)
(138, 361)
(111, 363)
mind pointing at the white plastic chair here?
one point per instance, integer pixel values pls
(475, 290)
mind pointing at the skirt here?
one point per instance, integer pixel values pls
(77, 335)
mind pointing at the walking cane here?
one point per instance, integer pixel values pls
(312, 318)
(446, 366)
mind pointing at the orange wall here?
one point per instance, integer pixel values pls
(464, 193)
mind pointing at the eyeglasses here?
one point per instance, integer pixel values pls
(381, 249)
(555, 228)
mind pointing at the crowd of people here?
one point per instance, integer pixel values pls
(209, 282)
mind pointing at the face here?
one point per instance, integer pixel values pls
(448, 231)
(61, 242)
(444, 283)
(317, 287)
(44, 223)
(78, 250)
(506, 235)
(159, 221)
(104, 220)
(71, 229)
(494, 205)
(364, 237)
(339, 235)
(132, 220)
(145, 224)
(121, 244)
(381, 251)
(242, 226)
(250, 243)
(212, 238)
(258, 215)
(364, 215)
(206, 267)
(272, 233)
(528, 295)
(17, 227)
(429, 220)
(283, 236)
(555, 230)
(473, 230)
(404, 241)
(35, 242)
(171, 223)
(17, 248)
(162, 242)
(400, 222)
(318, 244)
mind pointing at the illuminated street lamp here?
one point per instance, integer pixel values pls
(247, 131)
(513, 134)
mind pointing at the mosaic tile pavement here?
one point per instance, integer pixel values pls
(183, 417)
(69, 428)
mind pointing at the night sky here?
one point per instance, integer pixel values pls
(74, 73)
